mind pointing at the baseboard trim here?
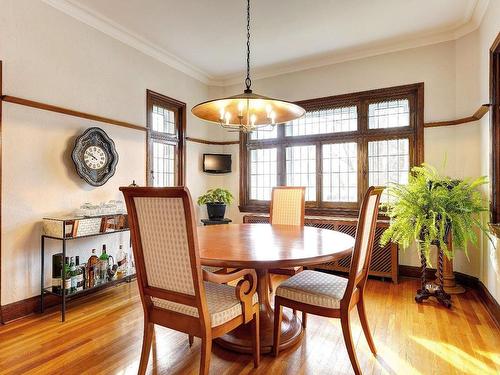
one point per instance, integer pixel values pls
(489, 302)
(25, 307)
(415, 272)
(28, 306)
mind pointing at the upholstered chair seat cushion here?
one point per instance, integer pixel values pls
(211, 269)
(221, 301)
(314, 288)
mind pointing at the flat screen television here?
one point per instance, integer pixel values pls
(217, 163)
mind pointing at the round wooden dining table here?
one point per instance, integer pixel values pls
(262, 247)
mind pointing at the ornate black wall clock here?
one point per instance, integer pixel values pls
(95, 156)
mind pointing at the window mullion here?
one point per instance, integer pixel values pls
(362, 167)
(319, 174)
(281, 156)
(281, 165)
(362, 150)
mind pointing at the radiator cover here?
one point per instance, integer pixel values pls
(384, 261)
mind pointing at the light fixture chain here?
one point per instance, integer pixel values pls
(248, 81)
(248, 112)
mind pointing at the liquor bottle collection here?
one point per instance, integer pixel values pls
(96, 271)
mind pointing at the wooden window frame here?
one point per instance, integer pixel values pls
(495, 131)
(415, 133)
(178, 141)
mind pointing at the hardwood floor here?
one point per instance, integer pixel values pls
(103, 335)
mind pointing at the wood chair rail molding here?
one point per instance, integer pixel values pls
(89, 116)
(208, 142)
(70, 112)
(478, 115)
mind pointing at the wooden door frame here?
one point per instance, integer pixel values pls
(495, 130)
(1, 101)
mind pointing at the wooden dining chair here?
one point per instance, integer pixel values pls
(287, 208)
(333, 296)
(287, 205)
(175, 292)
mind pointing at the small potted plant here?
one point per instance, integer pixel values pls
(216, 201)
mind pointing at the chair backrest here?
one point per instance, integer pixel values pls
(363, 246)
(165, 245)
(287, 205)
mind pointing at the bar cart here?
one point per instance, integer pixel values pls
(68, 228)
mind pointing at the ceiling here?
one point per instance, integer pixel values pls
(206, 39)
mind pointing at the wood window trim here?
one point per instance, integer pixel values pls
(180, 143)
(495, 131)
(415, 132)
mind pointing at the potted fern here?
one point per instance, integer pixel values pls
(216, 201)
(426, 210)
(429, 206)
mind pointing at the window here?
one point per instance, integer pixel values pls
(333, 120)
(301, 168)
(165, 152)
(341, 146)
(388, 161)
(340, 172)
(263, 172)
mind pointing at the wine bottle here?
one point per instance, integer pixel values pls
(103, 263)
(122, 263)
(79, 278)
(57, 266)
(72, 270)
(67, 276)
(91, 269)
(131, 267)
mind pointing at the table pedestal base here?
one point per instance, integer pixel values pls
(240, 339)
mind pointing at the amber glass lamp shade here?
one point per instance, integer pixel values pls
(247, 111)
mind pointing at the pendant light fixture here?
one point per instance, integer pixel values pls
(248, 111)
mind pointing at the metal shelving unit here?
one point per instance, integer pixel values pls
(64, 238)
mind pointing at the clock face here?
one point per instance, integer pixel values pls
(95, 157)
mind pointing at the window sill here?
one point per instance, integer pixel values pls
(344, 212)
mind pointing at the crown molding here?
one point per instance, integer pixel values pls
(470, 21)
(118, 32)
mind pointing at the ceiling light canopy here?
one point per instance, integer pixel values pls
(247, 112)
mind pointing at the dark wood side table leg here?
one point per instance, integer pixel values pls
(42, 273)
(240, 340)
(63, 296)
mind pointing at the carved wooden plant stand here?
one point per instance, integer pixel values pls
(433, 289)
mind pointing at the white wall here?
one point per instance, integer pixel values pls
(50, 57)
(472, 90)
(490, 27)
